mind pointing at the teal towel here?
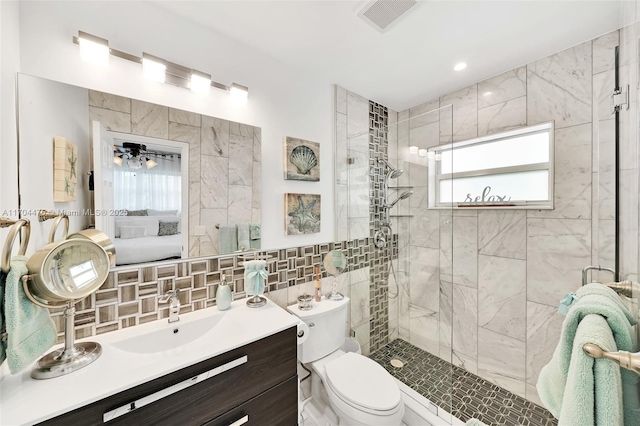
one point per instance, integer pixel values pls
(255, 273)
(30, 330)
(554, 388)
(254, 231)
(255, 244)
(228, 239)
(3, 331)
(244, 241)
(603, 290)
(474, 422)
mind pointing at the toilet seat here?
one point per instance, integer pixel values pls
(363, 384)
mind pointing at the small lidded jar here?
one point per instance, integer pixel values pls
(304, 302)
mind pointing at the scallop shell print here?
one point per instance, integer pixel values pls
(303, 158)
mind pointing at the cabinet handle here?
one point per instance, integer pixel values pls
(240, 421)
(134, 405)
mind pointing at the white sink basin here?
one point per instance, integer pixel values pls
(171, 336)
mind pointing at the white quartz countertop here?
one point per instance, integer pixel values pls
(24, 400)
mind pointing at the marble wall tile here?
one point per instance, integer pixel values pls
(559, 88)
(195, 162)
(392, 135)
(603, 85)
(424, 278)
(359, 143)
(357, 115)
(425, 136)
(215, 182)
(629, 224)
(424, 114)
(342, 210)
(465, 327)
(604, 51)
(628, 124)
(109, 101)
(359, 303)
(503, 87)
(503, 116)
(240, 160)
(464, 113)
(446, 124)
(256, 187)
(459, 254)
(149, 119)
(501, 360)
(502, 233)
(209, 218)
(239, 202)
(240, 129)
(404, 323)
(424, 329)
(446, 320)
(183, 133)
(544, 326)
(572, 197)
(257, 144)
(502, 295)
(403, 136)
(557, 250)
(194, 206)
(531, 393)
(424, 224)
(604, 170)
(115, 121)
(184, 117)
(362, 337)
(358, 227)
(341, 100)
(215, 136)
(194, 246)
(279, 297)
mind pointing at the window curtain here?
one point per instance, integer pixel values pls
(157, 188)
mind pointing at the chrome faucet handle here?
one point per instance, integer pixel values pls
(165, 298)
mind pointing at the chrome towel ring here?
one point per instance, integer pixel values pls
(44, 215)
(16, 227)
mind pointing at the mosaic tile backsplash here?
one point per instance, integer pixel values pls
(129, 296)
(458, 391)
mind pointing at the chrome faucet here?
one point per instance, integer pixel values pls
(171, 297)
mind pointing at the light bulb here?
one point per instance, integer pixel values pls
(239, 94)
(153, 68)
(150, 163)
(134, 163)
(93, 49)
(200, 82)
(117, 160)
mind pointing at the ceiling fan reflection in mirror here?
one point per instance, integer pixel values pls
(134, 153)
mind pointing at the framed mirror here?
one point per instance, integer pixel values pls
(155, 172)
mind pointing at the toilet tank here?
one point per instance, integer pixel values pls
(327, 322)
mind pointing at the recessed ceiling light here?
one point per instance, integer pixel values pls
(487, 93)
(460, 66)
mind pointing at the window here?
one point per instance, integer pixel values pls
(512, 170)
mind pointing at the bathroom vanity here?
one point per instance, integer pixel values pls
(233, 367)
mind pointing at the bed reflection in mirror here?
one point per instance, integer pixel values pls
(167, 183)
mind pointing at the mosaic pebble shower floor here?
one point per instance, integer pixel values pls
(472, 396)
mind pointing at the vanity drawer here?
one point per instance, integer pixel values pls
(269, 362)
(276, 407)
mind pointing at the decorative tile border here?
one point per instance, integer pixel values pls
(129, 296)
(457, 391)
(378, 301)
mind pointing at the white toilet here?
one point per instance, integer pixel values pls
(360, 391)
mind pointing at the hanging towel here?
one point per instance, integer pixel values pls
(244, 241)
(254, 275)
(553, 387)
(604, 291)
(30, 330)
(3, 330)
(474, 422)
(254, 234)
(228, 239)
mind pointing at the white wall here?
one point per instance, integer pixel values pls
(282, 101)
(9, 65)
(48, 109)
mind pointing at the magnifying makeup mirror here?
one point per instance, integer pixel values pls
(335, 263)
(61, 274)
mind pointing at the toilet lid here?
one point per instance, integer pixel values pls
(363, 382)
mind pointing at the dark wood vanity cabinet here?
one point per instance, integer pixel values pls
(260, 389)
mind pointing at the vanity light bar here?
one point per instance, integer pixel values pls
(175, 74)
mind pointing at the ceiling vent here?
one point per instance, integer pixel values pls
(381, 14)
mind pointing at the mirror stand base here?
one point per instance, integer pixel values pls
(256, 301)
(62, 361)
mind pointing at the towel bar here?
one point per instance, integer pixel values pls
(586, 269)
(627, 360)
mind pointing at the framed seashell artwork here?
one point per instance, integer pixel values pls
(302, 213)
(301, 159)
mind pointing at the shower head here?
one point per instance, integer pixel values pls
(402, 196)
(393, 172)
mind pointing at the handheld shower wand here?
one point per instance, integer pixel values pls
(402, 196)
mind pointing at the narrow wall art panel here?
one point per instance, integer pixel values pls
(65, 176)
(302, 159)
(302, 213)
